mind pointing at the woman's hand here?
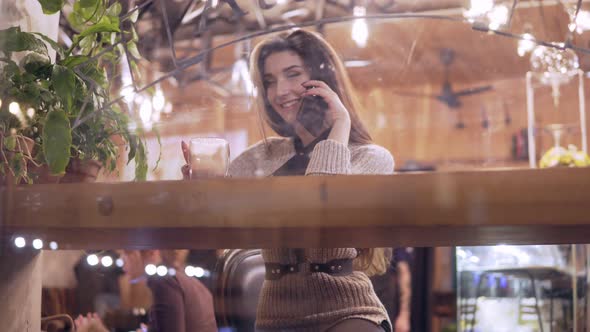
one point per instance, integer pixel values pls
(185, 169)
(337, 116)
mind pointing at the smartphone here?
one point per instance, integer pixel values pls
(312, 113)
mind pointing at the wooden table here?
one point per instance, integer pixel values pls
(420, 209)
(429, 209)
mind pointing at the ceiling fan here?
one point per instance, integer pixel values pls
(447, 95)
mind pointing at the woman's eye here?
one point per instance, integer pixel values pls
(268, 83)
(293, 74)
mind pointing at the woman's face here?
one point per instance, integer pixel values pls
(284, 72)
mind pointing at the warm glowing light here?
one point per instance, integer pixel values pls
(14, 108)
(498, 16)
(119, 262)
(128, 93)
(162, 270)
(526, 44)
(189, 271)
(20, 242)
(37, 244)
(360, 31)
(92, 260)
(145, 112)
(107, 261)
(150, 269)
(479, 8)
(30, 113)
(199, 272)
(158, 100)
(53, 245)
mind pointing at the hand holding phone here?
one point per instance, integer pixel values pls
(312, 114)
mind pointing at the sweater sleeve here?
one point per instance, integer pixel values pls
(330, 157)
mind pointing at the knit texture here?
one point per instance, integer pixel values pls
(314, 301)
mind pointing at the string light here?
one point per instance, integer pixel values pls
(199, 272)
(20, 242)
(161, 270)
(488, 13)
(53, 245)
(150, 269)
(14, 108)
(106, 261)
(37, 244)
(189, 271)
(526, 44)
(119, 262)
(171, 271)
(92, 260)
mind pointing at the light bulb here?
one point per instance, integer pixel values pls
(150, 269)
(37, 244)
(162, 270)
(106, 261)
(189, 271)
(199, 272)
(20, 242)
(92, 260)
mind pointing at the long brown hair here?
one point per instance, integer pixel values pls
(323, 64)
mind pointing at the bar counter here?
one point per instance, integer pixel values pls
(524, 206)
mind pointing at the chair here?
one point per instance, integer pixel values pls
(240, 274)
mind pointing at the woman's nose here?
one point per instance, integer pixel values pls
(283, 87)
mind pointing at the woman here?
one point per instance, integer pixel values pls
(312, 289)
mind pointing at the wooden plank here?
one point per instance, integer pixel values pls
(467, 208)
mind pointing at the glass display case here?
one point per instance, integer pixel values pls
(526, 288)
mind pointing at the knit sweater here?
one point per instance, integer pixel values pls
(307, 301)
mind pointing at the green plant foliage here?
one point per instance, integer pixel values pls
(57, 139)
(72, 112)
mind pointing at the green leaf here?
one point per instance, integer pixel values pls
(58, 49)
(51, 6)
(155, 130)
(134, 15)
(88, 3)
(10, 69)
(74, 60)
(57, 140)
(114, 9)
(132, 141)
(14, 40)
(132, 48)
(134, 36)
(141, 166)
(31, 93)
(98, 28)
(64, 83)
(32, 62)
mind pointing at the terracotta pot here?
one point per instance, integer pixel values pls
(79, 171)
(42, 175)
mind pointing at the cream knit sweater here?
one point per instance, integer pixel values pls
(314, 301)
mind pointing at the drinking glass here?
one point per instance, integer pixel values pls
(209, 157)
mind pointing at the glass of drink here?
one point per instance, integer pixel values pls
(209, 157)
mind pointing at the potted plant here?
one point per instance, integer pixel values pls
(63, 109)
